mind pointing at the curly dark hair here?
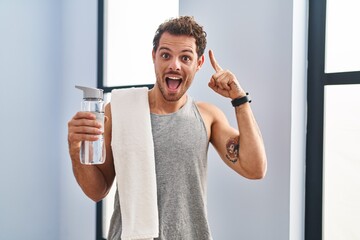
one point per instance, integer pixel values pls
(184, 25)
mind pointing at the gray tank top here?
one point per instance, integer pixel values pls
(181, 145)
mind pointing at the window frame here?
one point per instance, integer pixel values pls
(317, 80)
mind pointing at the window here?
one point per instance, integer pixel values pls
(125, 40)
(341, 200)
(333, 79)
(125, 33)
(342, 36)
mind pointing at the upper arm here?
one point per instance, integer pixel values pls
(222, 135)
(107, 168)
(243, 151)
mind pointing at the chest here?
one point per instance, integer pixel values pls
(180, 139)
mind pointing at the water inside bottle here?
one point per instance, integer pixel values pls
(94, 152)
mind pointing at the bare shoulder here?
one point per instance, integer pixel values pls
(211, 112)
(212, 117)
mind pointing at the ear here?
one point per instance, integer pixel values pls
(153, 56)
(200, 62)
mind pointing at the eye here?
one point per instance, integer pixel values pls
(186, 58)
(165, 55)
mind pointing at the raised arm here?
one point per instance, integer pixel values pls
(241, 149)
(94, 180)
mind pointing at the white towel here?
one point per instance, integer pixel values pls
(133, 151)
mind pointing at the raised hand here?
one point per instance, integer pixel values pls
(224, 82)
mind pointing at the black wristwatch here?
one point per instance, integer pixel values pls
(241, 100)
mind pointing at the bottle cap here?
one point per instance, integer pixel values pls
(91, 92)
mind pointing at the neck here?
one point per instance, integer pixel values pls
(159, 105)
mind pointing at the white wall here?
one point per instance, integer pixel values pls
(79, 38)
(49, 46)
(46, 47)
(254, 39)
(30, 73)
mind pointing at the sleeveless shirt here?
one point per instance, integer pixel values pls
(181, 145)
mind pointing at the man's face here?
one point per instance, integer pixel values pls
(176, 63)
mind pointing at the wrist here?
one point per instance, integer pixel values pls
(241, 100)
(240, 93)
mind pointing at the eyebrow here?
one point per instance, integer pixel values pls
(168, 49)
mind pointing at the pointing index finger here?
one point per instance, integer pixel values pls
(214, 63)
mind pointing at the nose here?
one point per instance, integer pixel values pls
(175, 64)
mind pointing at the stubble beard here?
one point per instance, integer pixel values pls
(170, 97)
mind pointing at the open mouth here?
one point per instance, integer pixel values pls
(173, 83)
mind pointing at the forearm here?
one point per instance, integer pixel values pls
(245, 153)
(252, 157)
(89, 177)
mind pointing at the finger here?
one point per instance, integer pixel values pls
(75, 138)
(218, 83)
(83, 133)
(84, 118)
(213, 61)
(85, 130)
(222, 81)
(212, 82)
(84, 123)
(219, 90)
(87, 115)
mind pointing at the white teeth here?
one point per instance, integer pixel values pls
(174, 78)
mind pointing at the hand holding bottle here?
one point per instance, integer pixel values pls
(85, 129)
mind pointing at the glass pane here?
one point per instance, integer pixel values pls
(341, 196)
(342, 36)
(130, 28)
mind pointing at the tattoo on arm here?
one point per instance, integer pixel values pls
(232, 149)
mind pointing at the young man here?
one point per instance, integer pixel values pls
(182, 130)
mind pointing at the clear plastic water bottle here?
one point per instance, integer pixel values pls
(93, 152)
